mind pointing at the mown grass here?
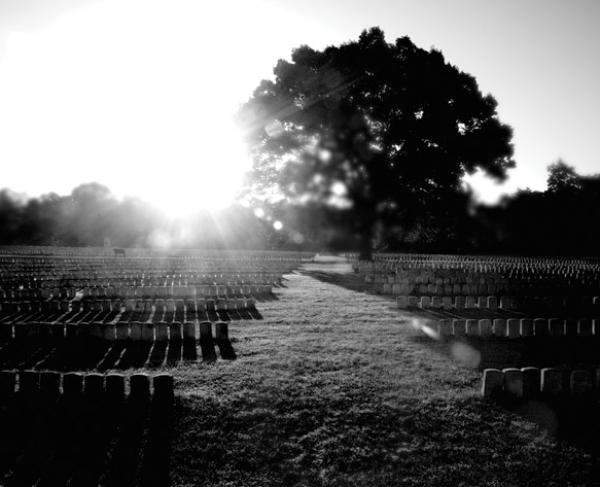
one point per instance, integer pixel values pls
(335, 388)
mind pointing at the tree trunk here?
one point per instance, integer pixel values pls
(366, 240)
(365, 214)
(366, 250)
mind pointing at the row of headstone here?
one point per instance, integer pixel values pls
(427, 263)
(36, 278)
(515, 327)
(494, 302)
(190, 292)
(89, 267)
(443, 289)
(93, 385)
(106, 277)
(550, 288)
(119, 305)
(451, 278)
(532, 382)
(456, 302)
(133, 331)
(505, 276)
(454, 281)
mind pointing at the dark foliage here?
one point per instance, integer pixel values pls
(385, 129)
(563, 220)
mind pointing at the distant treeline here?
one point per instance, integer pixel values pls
(562, 220)
(91, 215)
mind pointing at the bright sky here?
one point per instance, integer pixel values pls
(138, 94)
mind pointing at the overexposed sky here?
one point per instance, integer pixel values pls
(138, 94)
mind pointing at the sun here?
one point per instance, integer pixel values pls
(130, 95)
(207, 178)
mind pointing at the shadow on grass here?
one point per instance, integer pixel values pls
(366, 445)
(80, 440)
(352, 282)
(92, 354)
(225, 348)
(569, 418)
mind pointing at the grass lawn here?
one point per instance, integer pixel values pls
(335, 387)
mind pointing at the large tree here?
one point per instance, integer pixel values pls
(388, 129)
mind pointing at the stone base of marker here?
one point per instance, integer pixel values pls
(139, 387)
(556, 327)
(162, 331)
(540, 327)
(6, 332)
(513, 328)
(459, 327)
(50, 384)
(175, 331)
(135, 331)
(581, 383)
(57, 331)
(29, 382)
(526, 327)
(585, 328)
(513, 383)
(8, 382)
(115, 387)
(163, 386)
(221, 331)
(531, 382)
(493, 383)
(93, 386)
(551, 382)
(122, 331)
(500, 328)
(205, 330)
(147, 332)
(472, 327)
(189, 331)
(72, 384)
(20, 332)
(485, 328)
(94, 331)
(445, 328)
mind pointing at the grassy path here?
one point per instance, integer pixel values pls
(334, 387)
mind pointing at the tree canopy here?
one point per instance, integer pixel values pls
(562, 177)
(386, 129)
